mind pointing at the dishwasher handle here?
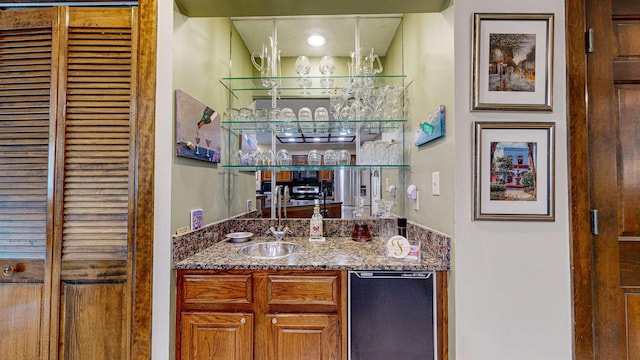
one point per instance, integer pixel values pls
(413, 275)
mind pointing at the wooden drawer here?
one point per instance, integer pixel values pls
(218, 289)
(302, 290)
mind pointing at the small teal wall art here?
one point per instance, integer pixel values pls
(431, 128)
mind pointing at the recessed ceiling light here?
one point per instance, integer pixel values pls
(288, 134)
(292, 139)
(343, 133)
(315, 40)
(316, 139)
(340, 139)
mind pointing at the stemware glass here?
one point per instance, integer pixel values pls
(305, 120)
(283, 157)
(344, 157)
(255, 158)
(196, 135)
(268, 157)
(207, 140)
(336, 102)
(327, 67)
(303, 65)
(314, 157)
(321, 119)
(330, 157)
(303, 68)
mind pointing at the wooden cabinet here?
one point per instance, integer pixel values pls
(299, 159)
(305, 212)
(281, 176)
(217, 335)
(284, 176)
(303, 336)
(325, 175)
(262, 315)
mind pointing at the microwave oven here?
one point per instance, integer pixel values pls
(309, 175)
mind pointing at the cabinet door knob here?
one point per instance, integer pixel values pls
(274, 321)
(8, 270)
(243, 321)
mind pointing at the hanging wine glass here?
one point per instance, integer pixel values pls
(303, 68)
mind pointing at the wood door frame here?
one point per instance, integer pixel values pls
(146, 104)
(578, 163)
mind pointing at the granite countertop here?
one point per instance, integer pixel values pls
(337, 253)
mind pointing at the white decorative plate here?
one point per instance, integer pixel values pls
(238, 237)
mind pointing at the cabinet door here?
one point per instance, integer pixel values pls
(283, 176)
(299, 159)
(303, 337)
(219, 336)
(325, 175)
(265, 175)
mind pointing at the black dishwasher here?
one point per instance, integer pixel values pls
(391, 315)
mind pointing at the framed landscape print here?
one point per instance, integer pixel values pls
(514, 171)
(512, 60)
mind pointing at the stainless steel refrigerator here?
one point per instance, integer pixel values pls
(345, 189)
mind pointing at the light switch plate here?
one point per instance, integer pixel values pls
(435, 183)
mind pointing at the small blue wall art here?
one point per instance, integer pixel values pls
(431, 128)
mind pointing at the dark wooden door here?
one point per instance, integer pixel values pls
(613, 88)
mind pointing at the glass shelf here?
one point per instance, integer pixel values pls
(331, 126)
(310, 167)
(288, 86)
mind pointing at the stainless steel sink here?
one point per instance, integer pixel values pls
(269, 250)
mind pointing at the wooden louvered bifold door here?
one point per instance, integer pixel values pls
(26, 113)
(96, 177)
(68, 177)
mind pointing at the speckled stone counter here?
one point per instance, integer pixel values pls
(207, 248)
(340, 253)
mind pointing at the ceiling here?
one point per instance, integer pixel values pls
(296, 20)
(235, 8)
(339, 32)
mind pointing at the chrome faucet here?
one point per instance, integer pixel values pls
(279, 232)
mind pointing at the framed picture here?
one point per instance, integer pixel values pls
(512, 62)
(196, 219)
(514, 171)
(197, 129)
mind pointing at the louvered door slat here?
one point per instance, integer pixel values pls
(25, 76)
(97, 145)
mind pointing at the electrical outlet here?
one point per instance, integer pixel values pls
(435, 183)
